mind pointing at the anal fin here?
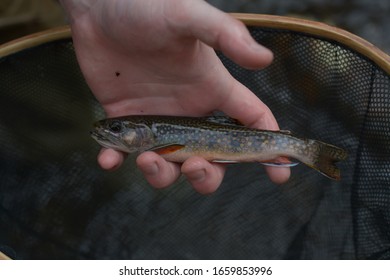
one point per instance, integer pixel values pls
(280, 162)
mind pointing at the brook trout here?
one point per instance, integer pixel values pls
(216, 139)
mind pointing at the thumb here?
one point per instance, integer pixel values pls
(220, 31)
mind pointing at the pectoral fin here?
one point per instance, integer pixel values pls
(167, 149)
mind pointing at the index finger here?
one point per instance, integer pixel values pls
(220, 31)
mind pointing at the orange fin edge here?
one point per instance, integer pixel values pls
(168, 149)
(280, 162)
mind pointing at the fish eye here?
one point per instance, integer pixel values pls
(115, 127)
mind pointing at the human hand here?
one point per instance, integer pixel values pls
(156, 57)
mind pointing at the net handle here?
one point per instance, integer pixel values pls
(35, 39)
(320, 30)
(4, 257)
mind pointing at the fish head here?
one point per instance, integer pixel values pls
(122, 135)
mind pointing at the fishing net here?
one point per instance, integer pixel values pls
(56, 202)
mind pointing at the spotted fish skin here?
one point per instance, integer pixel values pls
(216, 138)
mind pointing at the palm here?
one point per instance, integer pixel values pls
(130, 78)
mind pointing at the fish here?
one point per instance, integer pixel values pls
(219, 139)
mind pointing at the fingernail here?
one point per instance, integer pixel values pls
(151, 169)
(198, 176)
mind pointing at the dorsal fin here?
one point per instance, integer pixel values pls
(223, 120)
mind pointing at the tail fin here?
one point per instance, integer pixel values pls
(325, 158)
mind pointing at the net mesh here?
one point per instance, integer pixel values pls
(56, 203)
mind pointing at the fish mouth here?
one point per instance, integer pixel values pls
(107, 140)
(101, 139)
(96, 135)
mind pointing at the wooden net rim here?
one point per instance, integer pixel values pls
(317, 29)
